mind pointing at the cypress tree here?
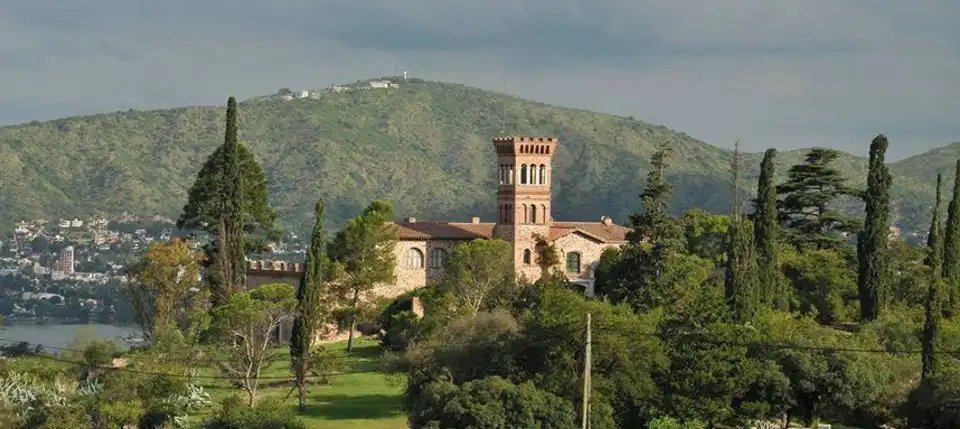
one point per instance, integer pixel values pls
(932, 308)
(740, 280)
(767, 233)
(231, 255)
(310, 308)
(951, 248)
(873, 276)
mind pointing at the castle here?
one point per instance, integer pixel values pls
(524, 205)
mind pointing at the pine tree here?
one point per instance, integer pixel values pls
(767, 235)
(218, 195)
(932, 308)
(808, 192)
(951, 248)
(874, 274)
(643, 277)
(654, 223)
(741, 271)
(311, 308)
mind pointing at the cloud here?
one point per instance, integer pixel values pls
(767, 72)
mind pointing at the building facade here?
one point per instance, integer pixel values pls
(524, 207)
(524, 213)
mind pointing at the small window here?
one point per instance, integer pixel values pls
(437, 257)
(573, 262)
(414, 258)
(527, 257)
(523, 174)
(533, 214)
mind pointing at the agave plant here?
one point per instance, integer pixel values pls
(193, 398)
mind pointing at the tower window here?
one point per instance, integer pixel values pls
(573, 263)
(533, 214)
(527, 257)
(437, 257)
(510, 174)
(533, 174)
(414, 258)
(523, 174)
(543, 174)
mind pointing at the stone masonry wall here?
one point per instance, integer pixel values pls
(590, 251)
(409, 278)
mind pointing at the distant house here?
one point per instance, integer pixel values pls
(303, 94)
(383, 84)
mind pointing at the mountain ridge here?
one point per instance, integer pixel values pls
(435, 134)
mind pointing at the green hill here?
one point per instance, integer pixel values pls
(425, 145)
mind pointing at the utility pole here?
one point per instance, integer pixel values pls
(586, 380)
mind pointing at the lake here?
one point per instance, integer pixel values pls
(61, 336)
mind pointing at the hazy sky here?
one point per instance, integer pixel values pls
(782, 73)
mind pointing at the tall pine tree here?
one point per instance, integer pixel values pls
(873, 277)
(740, 281)
(951, 248)
(217, 195)
(932, 308)
(807, 194)
(312, 308)
(644, 276)
(766, 234)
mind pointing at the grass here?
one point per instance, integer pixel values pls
(353, 399)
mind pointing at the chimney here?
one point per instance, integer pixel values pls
(411, 220)
(606, 220)
(475, 220)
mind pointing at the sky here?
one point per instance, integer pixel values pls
(768, 73)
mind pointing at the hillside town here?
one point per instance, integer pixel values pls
(73, 270)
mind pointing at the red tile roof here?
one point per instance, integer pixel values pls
(421, 230)
(444, 230)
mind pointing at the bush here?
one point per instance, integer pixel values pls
(269, 415)
(398, 322)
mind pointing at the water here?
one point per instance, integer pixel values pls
(63, 336)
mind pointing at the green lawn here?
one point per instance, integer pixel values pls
(358, 400)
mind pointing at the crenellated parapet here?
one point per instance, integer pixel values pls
(260, 272)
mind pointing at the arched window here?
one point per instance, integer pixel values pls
(533, 214)
(510, 174)
(437, 257)
(527, 257)
(523, 174)
(573, 262)
(543, 174)
(526, 214)
(414, 258)
(502, 174)
(533, 175)
(543, 213)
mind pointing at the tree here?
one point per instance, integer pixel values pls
(647, 274)
(766, 234)
(547, 256)
(740, 281)
(951, 248)
(490, 402)
(705, 234)
(873, 279)
(228, 206)
(248, 321)
(932, 309)
(476, 271)
(165, 289)
(807, 194)
(312, 305)
(654, 223)
(364, 248)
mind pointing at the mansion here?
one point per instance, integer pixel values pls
(524, 206)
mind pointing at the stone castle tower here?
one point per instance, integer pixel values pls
(523, 196)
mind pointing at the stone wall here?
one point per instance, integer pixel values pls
(589, 249)
(409, 278)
